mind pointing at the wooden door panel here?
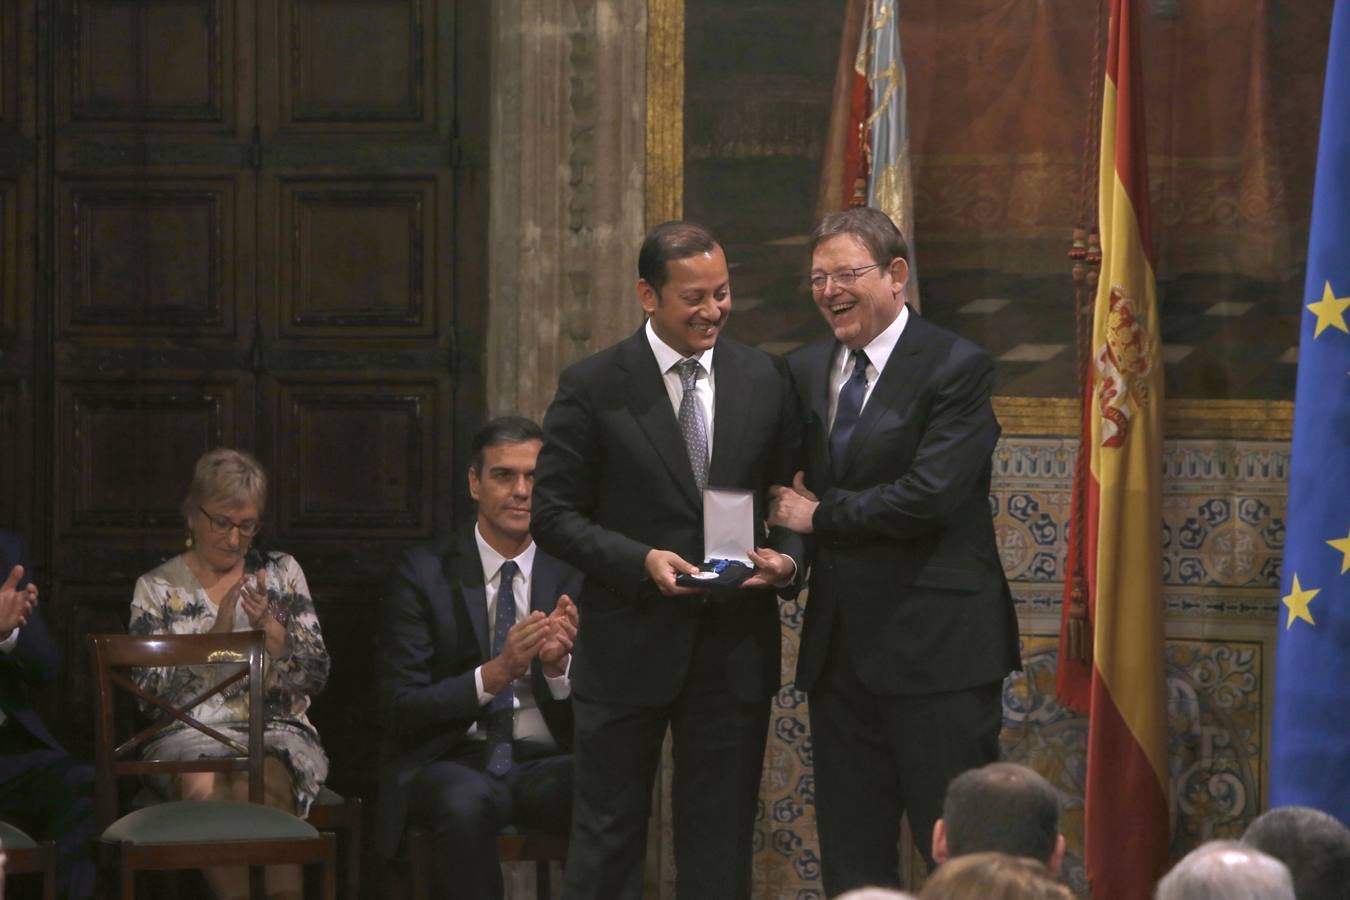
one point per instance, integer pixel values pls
(357, 258)
(345, 711)
(9, 66)
(10, 256)
(247, 215)
(19, 230)
(98, 606)
(12, 474)
(151, 63)
(128, 447)
(357, 460)
(161, 254)
(356, 63)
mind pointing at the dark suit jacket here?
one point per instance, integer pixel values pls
(614, 481)
(433, 634)
(905, 557)
(33, 661)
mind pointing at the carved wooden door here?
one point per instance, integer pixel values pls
(18, 250)
(153, 260)
(353, 351)
(253, 244)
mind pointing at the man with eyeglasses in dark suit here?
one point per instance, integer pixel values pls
(909, 626)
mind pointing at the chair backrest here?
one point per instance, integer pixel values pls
(238, 655)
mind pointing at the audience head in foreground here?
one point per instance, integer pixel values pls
(875, 893)
(1315, 847)
(1226, 870)
(1001, 807)
(994, 876)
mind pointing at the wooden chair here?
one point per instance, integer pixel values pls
(532, 846)
(342, 816)
(513, 845)
(24, 856)
(191, 834)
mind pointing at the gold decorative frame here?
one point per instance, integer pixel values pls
(665, 111)
(1022, 416)
(1270, 420)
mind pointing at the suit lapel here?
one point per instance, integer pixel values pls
(731, 410)
(465, 573)
(903, 371)
(650, 406)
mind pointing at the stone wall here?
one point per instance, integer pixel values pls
(567, 181)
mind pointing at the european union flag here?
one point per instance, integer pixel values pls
(1310, 752)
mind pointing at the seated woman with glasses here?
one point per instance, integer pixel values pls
(223, 582)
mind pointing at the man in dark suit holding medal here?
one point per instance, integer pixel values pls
(909, 626)
(632, 439)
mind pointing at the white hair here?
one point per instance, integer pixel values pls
(1227, 870)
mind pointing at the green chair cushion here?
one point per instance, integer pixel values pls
(328, 797)
(196, 821)
(13, 838)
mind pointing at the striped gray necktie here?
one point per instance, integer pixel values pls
(692, 426)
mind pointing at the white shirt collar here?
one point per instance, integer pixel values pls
(666, 357)
(492, 560)
(881, 347)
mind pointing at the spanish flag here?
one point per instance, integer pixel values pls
(1122, 685)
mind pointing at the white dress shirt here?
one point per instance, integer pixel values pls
(668, 359)
(878, 354)
(528, 721)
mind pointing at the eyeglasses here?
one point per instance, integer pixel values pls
(844, 277)
(223, 524)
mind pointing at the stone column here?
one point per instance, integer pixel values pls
(567, 180)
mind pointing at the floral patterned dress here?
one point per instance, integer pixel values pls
(170, 600)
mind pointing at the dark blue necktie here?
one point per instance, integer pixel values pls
(501, 711)
(847, 411)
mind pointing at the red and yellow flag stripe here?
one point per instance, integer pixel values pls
(1126, 819)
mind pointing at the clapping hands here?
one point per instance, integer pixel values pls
(15, 603)
(253, 596)
(549, 637)
(562, 634)
(250, 593)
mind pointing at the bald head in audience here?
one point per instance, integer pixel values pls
(1001, 807)
(1226, 870)
(1313, 845)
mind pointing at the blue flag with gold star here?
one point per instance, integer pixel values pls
(1310, 750)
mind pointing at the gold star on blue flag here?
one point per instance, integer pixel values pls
(1310, 739)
